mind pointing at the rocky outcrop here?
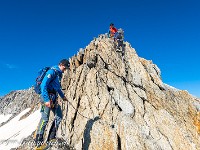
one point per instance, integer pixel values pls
(16, 101)
(120, 103)
(117, 103)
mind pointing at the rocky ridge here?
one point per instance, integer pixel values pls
(117, 103)
(123, 104)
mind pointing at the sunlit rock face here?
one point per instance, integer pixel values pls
(118, 102)
(122, 103)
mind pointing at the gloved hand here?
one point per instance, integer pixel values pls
(49, 104)
(64, 99)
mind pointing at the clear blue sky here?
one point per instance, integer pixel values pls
(37, 33)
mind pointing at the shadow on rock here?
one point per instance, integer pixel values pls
(88, 128)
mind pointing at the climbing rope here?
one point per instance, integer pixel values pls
(77, 110)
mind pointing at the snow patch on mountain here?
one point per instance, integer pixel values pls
(4, 118)
(16, 130)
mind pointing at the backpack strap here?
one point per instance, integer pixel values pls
(53, 78)
(56, 73)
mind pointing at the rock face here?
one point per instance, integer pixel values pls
(16, 101)
(117, 103)
(120, 103)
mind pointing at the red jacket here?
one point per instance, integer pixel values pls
(113, 30)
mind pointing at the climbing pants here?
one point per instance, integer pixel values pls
(45, 112)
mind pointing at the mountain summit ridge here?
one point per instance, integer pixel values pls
(120, 102)
(136, 109)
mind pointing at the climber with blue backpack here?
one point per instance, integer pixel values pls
(49, 87)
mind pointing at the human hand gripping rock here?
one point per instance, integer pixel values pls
(64, 99)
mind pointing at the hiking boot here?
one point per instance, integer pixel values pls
(41, 147)
(52, 142)
(51, 136)
(52, 132)
(39, 140)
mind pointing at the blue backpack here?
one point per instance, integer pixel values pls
(39, 79)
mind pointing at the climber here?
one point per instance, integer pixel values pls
(50, 88)
(112, 30)
(119, 38)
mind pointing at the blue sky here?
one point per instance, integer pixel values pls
(38, 33)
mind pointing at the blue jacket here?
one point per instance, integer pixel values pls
(51, 82)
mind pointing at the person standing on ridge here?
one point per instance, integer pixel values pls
(119, 42)
(112, 30)
(119, 38)
(50, 88)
